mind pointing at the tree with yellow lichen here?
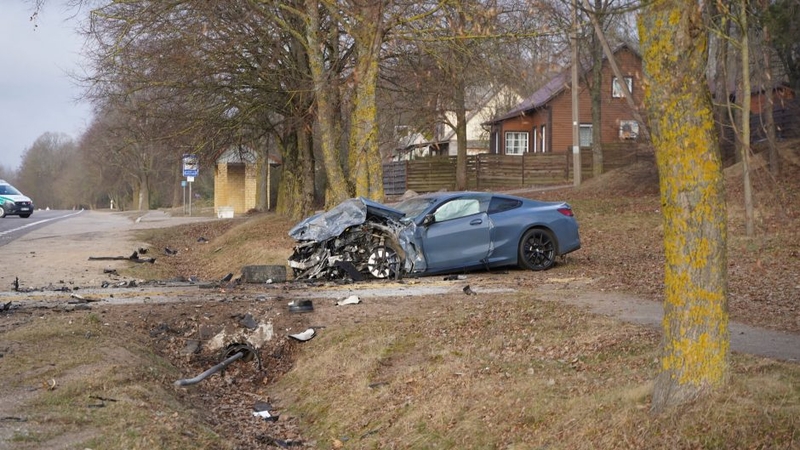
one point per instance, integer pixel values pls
(696, 340)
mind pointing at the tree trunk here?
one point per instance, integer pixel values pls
(597, 117)
(177, 188)
(143, 193)
(719, 73)
(696, 341)
(337, 187)
(296, 190)
(745, 125)
(769, 102)
(459, 100)
(366, 171)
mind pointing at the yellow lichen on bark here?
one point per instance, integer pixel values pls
(696, 343)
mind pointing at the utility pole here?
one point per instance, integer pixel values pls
(576, 135)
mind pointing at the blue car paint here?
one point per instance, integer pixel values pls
(481, 239)
(505, 228)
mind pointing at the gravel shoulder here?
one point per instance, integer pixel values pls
(63, 248)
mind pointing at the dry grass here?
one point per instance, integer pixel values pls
(521, 372)
(231, 244)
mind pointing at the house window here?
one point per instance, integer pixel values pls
(585, 135)
(544, 139)
(535, 146)
(616, 89)
(516, 142)
(628, 129)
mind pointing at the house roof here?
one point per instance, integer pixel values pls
(240, 154)
(551, 89)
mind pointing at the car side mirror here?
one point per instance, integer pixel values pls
(429, 219)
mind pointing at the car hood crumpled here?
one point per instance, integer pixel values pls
(356, 211)
(333, 222)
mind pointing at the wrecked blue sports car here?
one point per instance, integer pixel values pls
(443, 232)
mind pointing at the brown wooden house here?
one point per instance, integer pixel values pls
(543, 122)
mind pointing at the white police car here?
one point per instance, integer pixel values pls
(13, 203)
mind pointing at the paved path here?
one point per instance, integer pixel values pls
(744, 338)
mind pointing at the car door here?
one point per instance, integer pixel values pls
(458, 237)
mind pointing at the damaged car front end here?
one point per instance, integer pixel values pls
(356, 239)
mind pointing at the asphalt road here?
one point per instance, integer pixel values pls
(14, 227)
(54, 247)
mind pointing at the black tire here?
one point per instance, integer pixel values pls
(2, 212)
(537, 249)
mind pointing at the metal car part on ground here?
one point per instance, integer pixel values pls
(432, 233)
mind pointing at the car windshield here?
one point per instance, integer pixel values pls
(413, 207)
(7, 189)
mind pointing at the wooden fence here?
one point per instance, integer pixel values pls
(494, 172)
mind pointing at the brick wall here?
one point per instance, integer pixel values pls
(236, 186)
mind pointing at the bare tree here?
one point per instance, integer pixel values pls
(44, 168)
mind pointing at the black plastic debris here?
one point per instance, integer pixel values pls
(134, 257)
(100, 402)
(298, 306)
(468, 290)
(169, 251)
(202, 240)
(350, 269)
(233, 352)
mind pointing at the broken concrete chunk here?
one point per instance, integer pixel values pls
(192, 346)
(256, 338)
(263, 274)
(248, 322)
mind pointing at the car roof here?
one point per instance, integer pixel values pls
(451, 194)
(445, 195)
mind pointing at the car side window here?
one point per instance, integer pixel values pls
(460, 207)
(500, 204)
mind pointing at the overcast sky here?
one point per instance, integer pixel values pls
(36, 92)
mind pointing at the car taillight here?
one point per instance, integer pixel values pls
(566, 211)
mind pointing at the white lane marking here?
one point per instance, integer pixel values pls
(37, 223)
